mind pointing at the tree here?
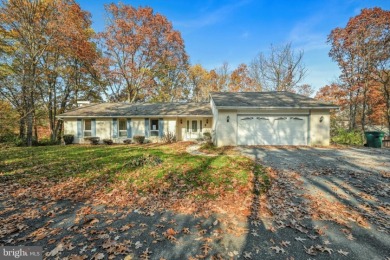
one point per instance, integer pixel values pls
(281, 70)
(139, 49)
(67, 64)
(219, 78)
(199, 83)
(48, 55)
(359, 49)
(240, 81)
(28, 25)
(8, 119)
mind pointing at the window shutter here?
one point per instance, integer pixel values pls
(93, 127)
(128, 128)
(114, 128)
(160, 127)
(79, 128)
(147, 127)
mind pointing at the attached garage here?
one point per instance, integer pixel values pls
(272, 130)
(269, 118)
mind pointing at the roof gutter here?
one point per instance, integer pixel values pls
(132, 116)
(241, 107)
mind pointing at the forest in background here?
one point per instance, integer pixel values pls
(50, 58)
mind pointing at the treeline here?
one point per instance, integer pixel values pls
(50, 58)
(362, 51)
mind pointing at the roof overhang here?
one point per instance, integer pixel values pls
(137, 116)
(273, 108)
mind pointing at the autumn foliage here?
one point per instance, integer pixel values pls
(362, 51)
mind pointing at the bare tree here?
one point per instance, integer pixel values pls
(281, 70)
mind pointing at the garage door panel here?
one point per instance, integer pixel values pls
(272, 130)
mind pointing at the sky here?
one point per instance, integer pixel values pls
(235, 31)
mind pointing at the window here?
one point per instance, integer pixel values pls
(200, 126)
(188, 126)
(87, 127)
(154, 127)
(122, 128)
(194, 126)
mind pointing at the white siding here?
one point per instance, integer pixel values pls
(70, 128)
(182, 127)
(213, 131)
(138, 126)
(170, 125)
(103, 128)
(226, 132)
(320, 131)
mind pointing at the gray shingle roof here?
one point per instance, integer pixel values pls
(140, 109)
(274, 99)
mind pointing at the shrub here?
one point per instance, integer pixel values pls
(127, 141)
(47, 141)
(93, 140)
(207, 137)
(168, 138)
(344, 136)
(108, 141)
(19, 141)
(8, 137)
(145, 160)
(68, 139)
(139, 139)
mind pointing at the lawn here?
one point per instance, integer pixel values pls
(157, 201)
(126, 174)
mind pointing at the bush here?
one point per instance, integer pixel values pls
(20, 141)
(145, 160)
(8, 137)
(127, 141)
(207, 137)
(68, 139)
(139, 139)
(47, 141)
(108, 141)
(168, 138)
(93, 140)
(344, 136)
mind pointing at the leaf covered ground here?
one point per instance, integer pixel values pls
(159, 202)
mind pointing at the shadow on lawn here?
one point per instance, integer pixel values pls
(330, 175)
(86, 229)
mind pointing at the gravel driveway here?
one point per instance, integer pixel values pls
(355, 180)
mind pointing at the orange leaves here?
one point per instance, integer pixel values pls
(142, 50)
(170, 234)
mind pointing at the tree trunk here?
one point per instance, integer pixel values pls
(22, 126)
(364, 106)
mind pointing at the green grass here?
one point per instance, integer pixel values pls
(262, 179)
(108, 165)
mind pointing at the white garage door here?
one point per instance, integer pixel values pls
(272, 130)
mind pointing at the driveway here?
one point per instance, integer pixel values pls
(346, 191)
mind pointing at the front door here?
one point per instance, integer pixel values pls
(193, 129)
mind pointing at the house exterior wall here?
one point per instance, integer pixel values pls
(183, 135)
(104, 128)
(319, 131)
(138, 126)
(214, 126)
(70, 128)
(226, 132)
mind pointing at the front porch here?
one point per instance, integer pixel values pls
(193, 128)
